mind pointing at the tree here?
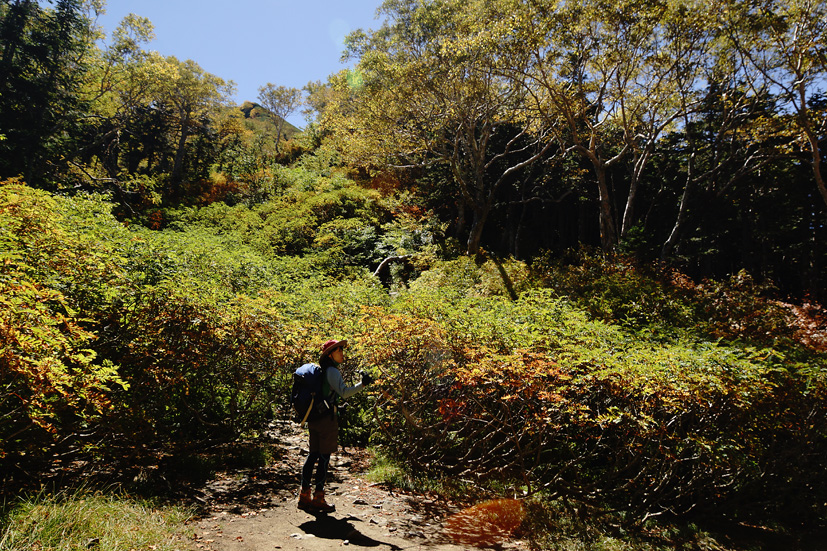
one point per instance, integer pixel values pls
(606, 78)
(738, 127)
(717, 147)
(42, 65)
(318, 97)
(425, 94)
(281, 102)
(783, 46)
(193, 95)
(124, 81)
(672, 59)
(578, 81)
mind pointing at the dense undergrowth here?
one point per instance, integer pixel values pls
(627, 389)
(642, 421)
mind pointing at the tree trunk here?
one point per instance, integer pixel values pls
(674, 236)
(822, 188)
(178, 166)
(812, 138)
(608, 230)
(628, 213)
(475, 236)
(278, 133)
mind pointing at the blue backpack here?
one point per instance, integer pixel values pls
(306, 395)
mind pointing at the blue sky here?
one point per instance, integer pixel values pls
(252, 42)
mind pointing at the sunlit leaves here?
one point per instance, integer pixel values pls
(431, 96)
(480, 374)
(281, 101)
(783, 45)
(49, 371)
(533, 391)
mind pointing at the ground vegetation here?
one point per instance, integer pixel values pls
(630, 326)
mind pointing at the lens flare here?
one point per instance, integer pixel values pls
(486, 524)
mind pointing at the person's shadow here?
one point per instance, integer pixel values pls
(327, 527)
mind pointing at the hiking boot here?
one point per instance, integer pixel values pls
(305, 501)
(319, 504)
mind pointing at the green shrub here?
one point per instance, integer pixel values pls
(617, 290)
(534, 392)
(592, 380)
(51, 378)
(488, 278)
(336, 217)
(200, 368)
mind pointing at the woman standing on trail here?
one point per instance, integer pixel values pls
(324, 432)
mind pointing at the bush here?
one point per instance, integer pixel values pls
(487, 277)
(335, 218)
(617, 290)
(51, 379)
(579, 408)
(741, 309)
(190, 334)
(198, 369)
(169, 337)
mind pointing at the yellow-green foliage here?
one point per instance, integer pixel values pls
(108, 523)
(317, 215)
(49, 368)
(617, 290)
(486, 278)
(486, 371)
(535, 391)
(187, 331)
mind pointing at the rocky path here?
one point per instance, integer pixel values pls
(256, 511)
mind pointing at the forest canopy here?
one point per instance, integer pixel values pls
(676, 131)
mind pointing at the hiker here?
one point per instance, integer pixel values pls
(324, 432)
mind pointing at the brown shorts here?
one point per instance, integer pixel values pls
(324, 435)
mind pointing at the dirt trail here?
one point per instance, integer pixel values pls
(256, 511)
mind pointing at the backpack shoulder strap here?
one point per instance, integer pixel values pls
(326, 390)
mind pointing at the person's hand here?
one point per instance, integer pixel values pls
(366, 379)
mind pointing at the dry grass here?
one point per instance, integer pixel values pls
(100, 522)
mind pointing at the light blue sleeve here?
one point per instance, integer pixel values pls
(337, 384)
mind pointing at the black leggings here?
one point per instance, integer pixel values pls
(321, 471)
